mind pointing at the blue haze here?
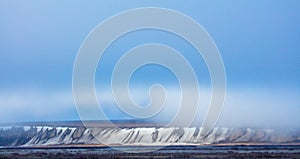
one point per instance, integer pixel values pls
(258, 40)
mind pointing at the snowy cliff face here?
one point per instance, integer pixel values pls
(45, 136)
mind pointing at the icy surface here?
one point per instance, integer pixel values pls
(47, 135)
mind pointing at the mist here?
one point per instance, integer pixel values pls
(243, 107)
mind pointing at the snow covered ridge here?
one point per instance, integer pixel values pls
(47, 136)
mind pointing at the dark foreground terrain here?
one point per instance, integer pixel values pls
(262, 151)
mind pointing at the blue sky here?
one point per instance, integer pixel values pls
(258, 40)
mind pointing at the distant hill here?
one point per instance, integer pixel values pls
(64, 134)
(92, 123)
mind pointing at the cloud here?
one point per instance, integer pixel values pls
(261, 107)
(244, 107)
(31, 105)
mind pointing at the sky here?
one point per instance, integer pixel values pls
(258, 40)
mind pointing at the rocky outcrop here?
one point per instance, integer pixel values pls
(47, 136)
